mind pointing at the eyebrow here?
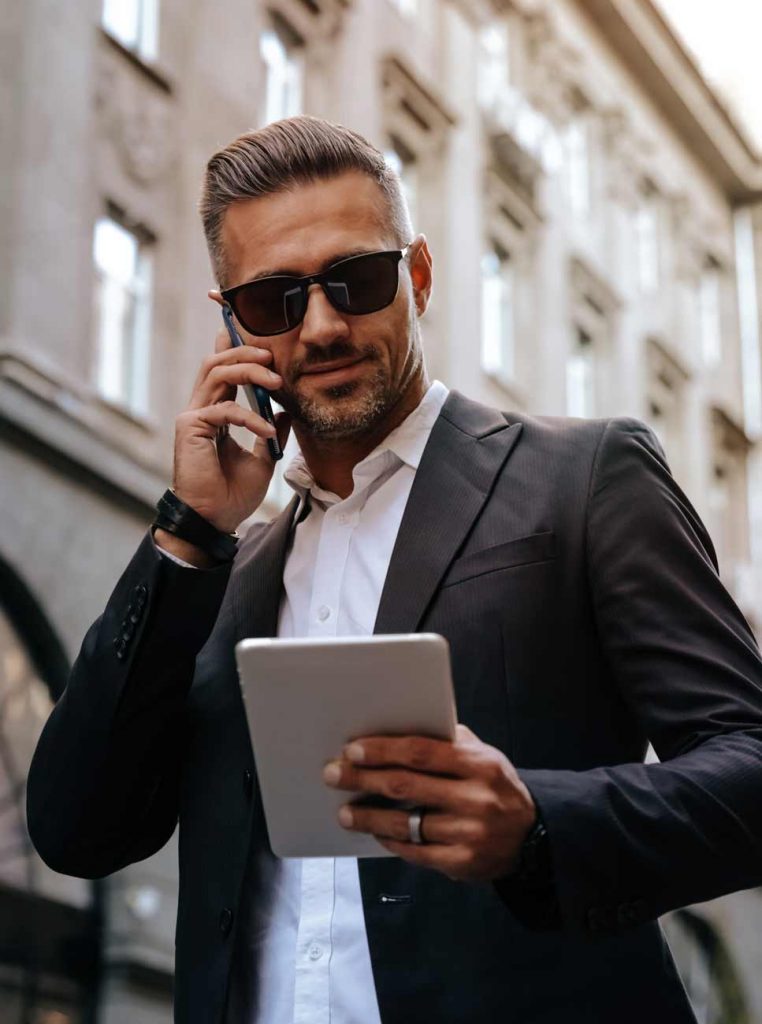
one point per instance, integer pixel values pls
(336, 258)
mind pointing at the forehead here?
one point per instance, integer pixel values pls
(297, 231)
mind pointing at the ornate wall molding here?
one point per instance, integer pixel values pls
(314, 21)
(136, 118)
(413, 110)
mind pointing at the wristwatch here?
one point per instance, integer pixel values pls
(178, 518)
(535, 868)
(530, 891)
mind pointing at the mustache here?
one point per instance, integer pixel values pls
(331, 353)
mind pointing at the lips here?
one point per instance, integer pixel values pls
(338, 364)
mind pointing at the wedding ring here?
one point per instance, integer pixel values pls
(414, 826)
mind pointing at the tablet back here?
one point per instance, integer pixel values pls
(306, 698)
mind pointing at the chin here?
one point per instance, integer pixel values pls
(346, 409)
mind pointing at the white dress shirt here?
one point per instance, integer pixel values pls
(313, 960)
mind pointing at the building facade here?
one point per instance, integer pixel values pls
(595, 218)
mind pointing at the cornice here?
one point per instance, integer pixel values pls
(649, 49)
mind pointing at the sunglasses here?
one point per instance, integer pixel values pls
(358, 285)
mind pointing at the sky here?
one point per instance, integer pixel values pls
(725, 39)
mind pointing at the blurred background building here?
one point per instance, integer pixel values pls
(595, 215)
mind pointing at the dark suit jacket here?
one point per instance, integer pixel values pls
(579, 594)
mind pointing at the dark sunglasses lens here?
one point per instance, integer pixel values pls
(270, 307)
(365, 284)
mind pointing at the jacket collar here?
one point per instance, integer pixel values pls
(467, 447)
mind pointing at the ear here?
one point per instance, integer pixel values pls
(421, 273)
(215, 296)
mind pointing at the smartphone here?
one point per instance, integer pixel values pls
(259, 398)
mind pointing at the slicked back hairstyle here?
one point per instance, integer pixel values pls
(286, 153)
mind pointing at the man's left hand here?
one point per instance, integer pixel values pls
(477, 809)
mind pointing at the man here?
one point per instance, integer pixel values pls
(574, 582)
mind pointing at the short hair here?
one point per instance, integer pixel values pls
(285, 153)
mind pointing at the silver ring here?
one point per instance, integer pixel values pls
(414, 820)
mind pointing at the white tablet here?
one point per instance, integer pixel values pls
(305, 699)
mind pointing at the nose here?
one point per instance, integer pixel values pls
(322, 323)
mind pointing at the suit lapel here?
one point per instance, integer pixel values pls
(259, 577)
(468, 445)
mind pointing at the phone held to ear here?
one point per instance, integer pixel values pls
(259, 398)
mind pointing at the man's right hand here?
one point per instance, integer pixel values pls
(213, 474)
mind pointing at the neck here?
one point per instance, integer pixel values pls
(332, 460)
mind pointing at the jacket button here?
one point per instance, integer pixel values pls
(226, 921)
(120, 647)
(632, 913)
(248, 782)
(141, 593)
(600, 919)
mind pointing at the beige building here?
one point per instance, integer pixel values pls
(596, 223)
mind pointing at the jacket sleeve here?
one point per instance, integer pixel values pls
(103, 785)
(632, 841)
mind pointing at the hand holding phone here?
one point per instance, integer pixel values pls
(223, 480)
(259, 399)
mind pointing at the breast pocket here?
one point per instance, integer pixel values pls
(537, 547)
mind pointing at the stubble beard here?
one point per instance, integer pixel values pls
(342, 410)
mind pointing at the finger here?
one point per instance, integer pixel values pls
(397, 784)
(222, 380)
(421, 753)
(224, 353)
(206, 422)
(283, 428)
(435, 828)
(449, 860)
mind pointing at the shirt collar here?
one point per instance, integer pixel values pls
(407, 441)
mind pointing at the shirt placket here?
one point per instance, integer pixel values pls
(313, 944)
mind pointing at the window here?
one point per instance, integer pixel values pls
(404, 162)
(728, 494)
(666, 402)
(43, 915)
(593, 317)
(283, 58)
(498, 312)
(580, 376)
(123, 271)
(407, 7)
(710, 313)
(578, 166)
(494, 67)
(647, 229)
(135, 23)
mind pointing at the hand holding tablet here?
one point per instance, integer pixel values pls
(307, 699)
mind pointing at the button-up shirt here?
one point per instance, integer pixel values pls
(313, 963)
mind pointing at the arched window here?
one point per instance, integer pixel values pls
(48, 922)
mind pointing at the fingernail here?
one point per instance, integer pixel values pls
(274, 375)
(332, 773)
(354, 752)
(345, 816)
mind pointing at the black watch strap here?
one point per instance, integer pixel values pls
(530, 890)
(535, 868)
(179, 519)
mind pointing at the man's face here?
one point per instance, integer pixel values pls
(342, 374)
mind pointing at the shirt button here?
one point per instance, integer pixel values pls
(315, 952)
(324, 612)
(343, 518)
